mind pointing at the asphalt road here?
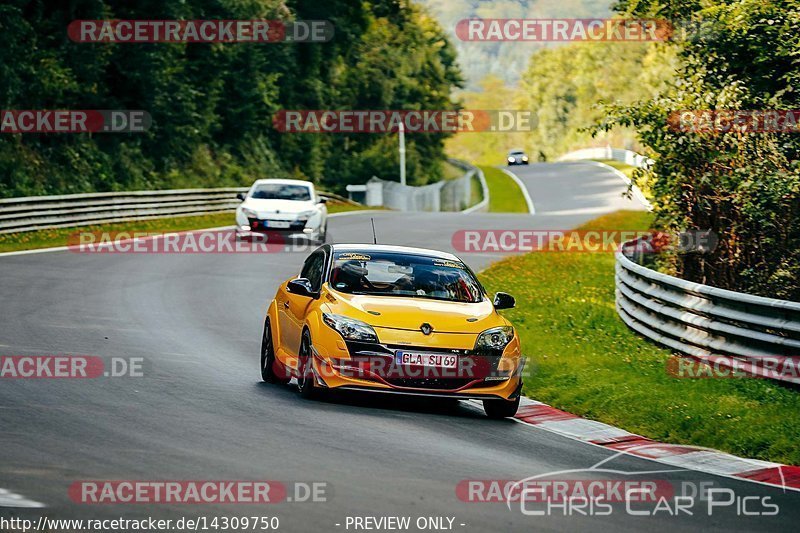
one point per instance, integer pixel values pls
(200, 412)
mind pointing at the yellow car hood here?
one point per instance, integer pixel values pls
(410, 313)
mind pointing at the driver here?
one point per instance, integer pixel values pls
(428, 282)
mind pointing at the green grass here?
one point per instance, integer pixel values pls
(583, 359)
(505, 195)
(30, 240)
(476, 191)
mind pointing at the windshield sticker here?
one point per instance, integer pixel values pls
(451, 264)
(353, 256)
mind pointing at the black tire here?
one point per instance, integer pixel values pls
(268, 357)
(497, 409)
(306, 382)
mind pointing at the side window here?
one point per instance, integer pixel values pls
(312, 270)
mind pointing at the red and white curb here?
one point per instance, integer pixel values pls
(694, 458)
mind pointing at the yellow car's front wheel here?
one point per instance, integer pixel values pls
(501, 408)
(268, 363)
(306, 381)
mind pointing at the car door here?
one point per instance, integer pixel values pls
(292, 310)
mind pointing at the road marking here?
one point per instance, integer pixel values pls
(637, 193)
(525, 193)
(12, 499)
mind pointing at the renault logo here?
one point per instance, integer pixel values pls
(426, 328)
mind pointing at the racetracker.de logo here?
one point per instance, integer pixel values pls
(68, 367)
(779, 367)
(561, 30)
(411, 121)
(177, 492)
(189, 242)
(592, 241)
(735, 121)
(74, 121)
(562, 490)
(200, 31)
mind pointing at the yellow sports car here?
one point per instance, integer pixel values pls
(392, 319)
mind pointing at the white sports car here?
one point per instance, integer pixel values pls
(292, 207)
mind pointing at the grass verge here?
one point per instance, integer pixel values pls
(46, 238)
(583, 359)
(504, 193)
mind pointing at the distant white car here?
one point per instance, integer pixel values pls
(517, 157)
(292, 207)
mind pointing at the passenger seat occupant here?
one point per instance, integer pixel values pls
(350, 276)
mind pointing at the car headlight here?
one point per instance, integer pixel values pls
(524, 157)
(305, 215)
(510, 159)
(495, 338)
(350, 329)
(249, 213)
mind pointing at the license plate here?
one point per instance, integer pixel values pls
(277, 224)
(427, 359)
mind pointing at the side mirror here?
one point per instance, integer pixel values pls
(301, 287)
(240, 196)
(322, 200)
(504, 300)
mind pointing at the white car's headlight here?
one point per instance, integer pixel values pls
(249, 213)
(305, 215)
(510, 159)
(495, 338)
(524, 157)
(350, 329)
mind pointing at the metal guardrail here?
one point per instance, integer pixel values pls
(40, 212)
(446, 195)
(617, 154)
(753, 334)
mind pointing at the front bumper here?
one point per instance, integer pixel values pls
(264, 227)
(373, 367)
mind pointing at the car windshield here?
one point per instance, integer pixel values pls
(516, 153)
(408, 275)
(281, 191)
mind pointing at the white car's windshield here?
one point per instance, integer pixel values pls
(281, 191)
(409, 275)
